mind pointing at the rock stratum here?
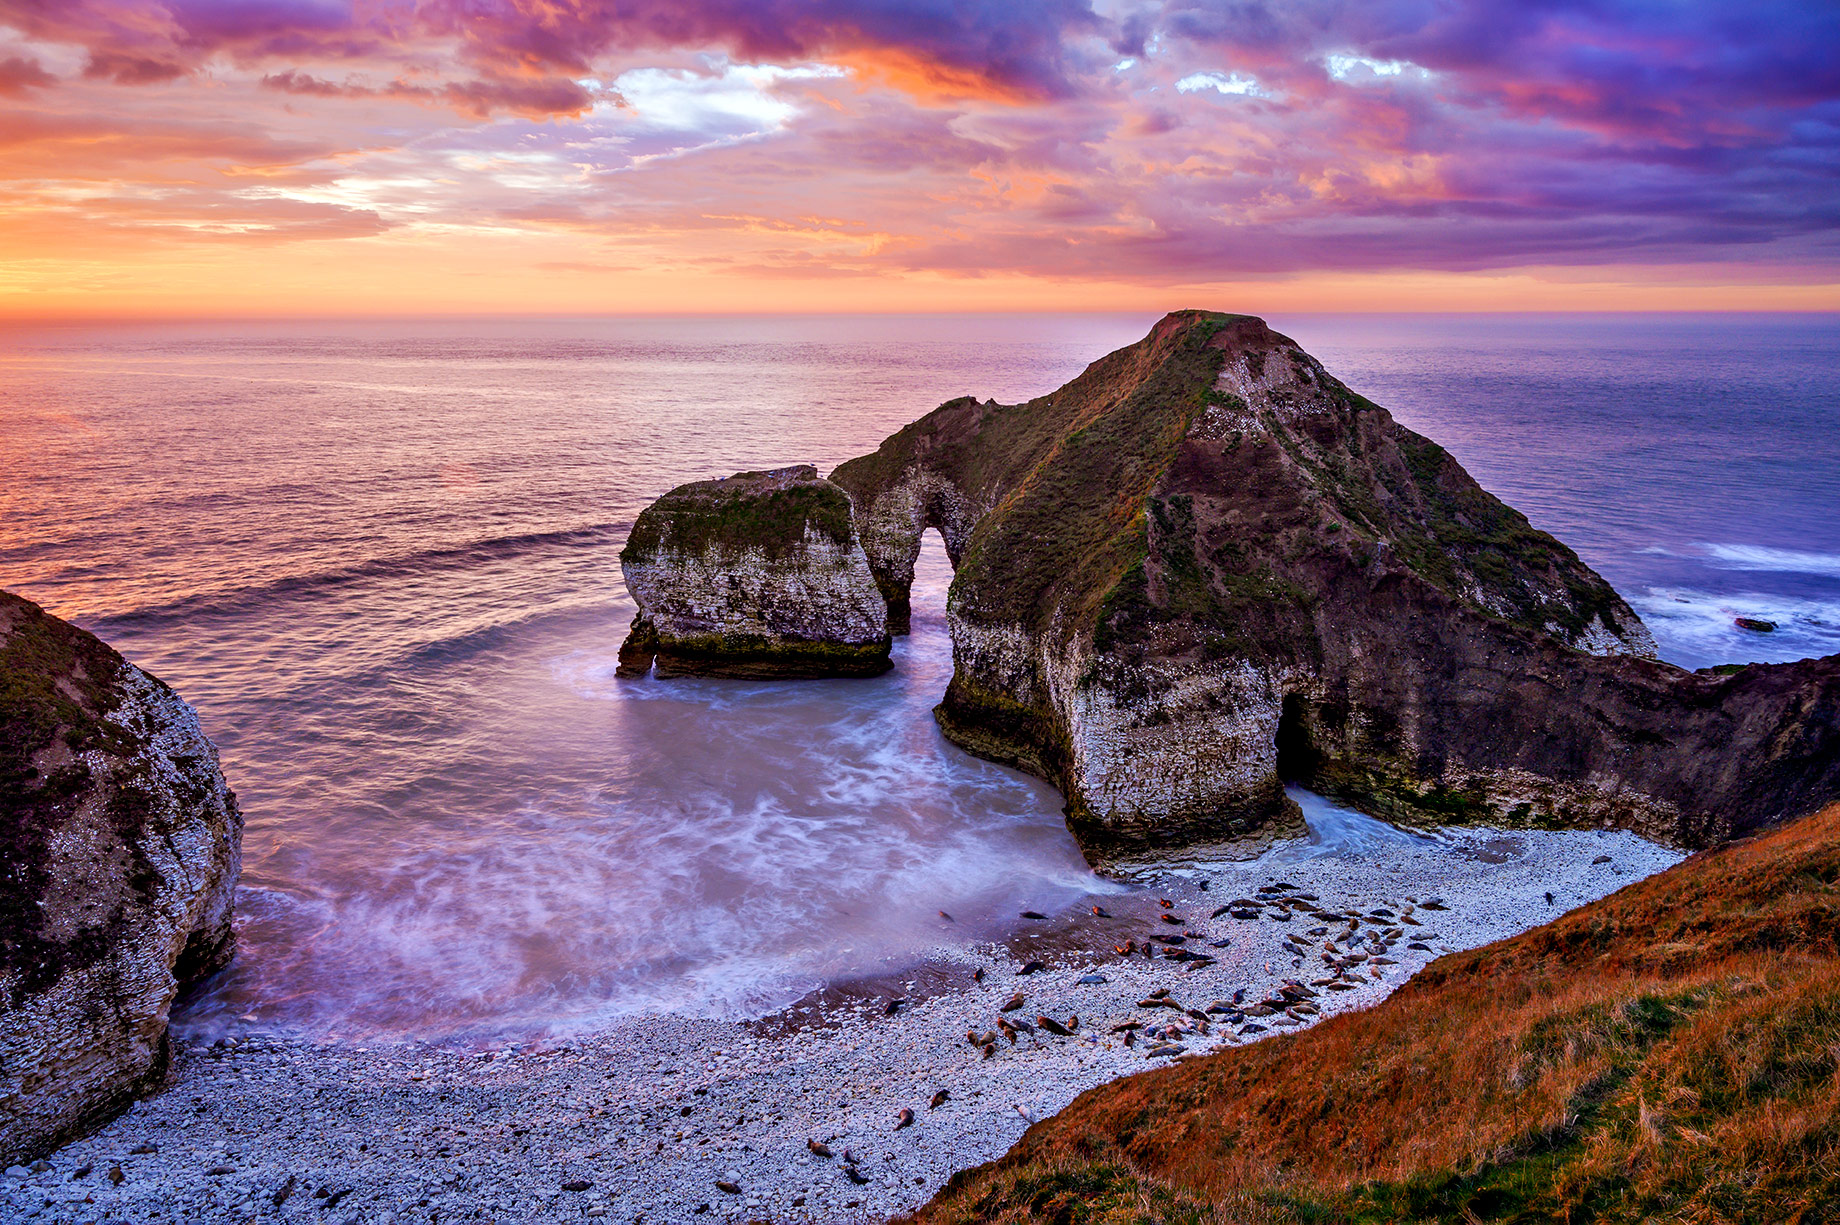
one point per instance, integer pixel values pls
(758, 576)
(1206, 567)
(121, 851)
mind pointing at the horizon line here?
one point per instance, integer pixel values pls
(8, 320)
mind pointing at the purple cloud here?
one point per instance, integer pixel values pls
(19, 74)
(1171, 141)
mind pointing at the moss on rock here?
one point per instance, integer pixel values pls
(119, 850)
(757, 576)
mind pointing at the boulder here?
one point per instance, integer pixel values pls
(121, 851)
(759, 575)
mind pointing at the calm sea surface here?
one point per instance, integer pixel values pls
(381, 560)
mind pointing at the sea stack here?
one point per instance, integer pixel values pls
(1207, 567)
(759, 576)
(122, 845)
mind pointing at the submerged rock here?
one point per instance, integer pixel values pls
(759, 575)
(121, 850)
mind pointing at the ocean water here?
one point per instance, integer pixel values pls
(381, 560)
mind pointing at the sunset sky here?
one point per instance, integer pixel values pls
(311, 157)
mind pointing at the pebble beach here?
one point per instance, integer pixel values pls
(855, 1104)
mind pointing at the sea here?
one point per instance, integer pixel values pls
(381, 560)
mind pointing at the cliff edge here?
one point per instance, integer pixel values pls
(122, 846)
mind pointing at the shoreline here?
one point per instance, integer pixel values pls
(653, 1113)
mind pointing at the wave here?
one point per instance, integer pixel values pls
(463, 643)
(1699, 628)
(1758, 557)
(240, 599)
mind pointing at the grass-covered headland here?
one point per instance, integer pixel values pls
(1670, 1053)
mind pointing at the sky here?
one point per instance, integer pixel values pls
(339, 157)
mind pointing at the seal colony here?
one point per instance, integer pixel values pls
(802, 1112)
(1665, 1054)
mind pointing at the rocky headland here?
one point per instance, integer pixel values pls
(1206, 567)
(121, 846)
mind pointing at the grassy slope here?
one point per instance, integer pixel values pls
(1068, 472)
(1671, 1053)
(750, 510)
(1070, 477)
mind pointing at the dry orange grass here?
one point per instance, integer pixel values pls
(1671, 1053)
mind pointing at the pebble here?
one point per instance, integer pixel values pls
(492, 1134)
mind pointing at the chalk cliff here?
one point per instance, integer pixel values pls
(759, 575)
(1206, 566)
(121, 848)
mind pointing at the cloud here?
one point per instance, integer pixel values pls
(523, 55)
(19, 74)
(1161, 141)
(1009, 48)
(1223, 83)
(480, 97)
(131, 69)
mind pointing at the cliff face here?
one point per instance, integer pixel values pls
(1206, 566)
(121, 851)
(759, 576)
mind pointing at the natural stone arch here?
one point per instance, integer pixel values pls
(1152, 558)
(896, 499)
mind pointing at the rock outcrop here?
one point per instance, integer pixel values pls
(121, 851)
(1206, 567)
(759, 576)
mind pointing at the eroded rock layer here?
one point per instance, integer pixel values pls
(759, 575)
(1206, 566)
(121, 849)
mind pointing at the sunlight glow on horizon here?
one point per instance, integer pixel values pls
(291, 158)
